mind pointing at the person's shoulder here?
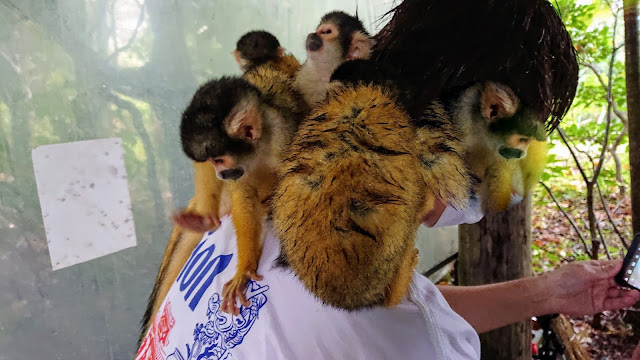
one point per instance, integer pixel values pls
(452, 336)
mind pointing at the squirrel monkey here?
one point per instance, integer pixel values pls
(241, 127)
(255, 49)
(258, 48)
(354, 190)
(506, 142)
(338, 38)
(360, 174)
(211, 196)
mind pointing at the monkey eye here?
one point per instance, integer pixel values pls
(524, 139)
(328, 31)
(218, 160)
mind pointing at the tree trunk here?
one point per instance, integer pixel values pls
(496, 249)
(632, 68)
(176, 84)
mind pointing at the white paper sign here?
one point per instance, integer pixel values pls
(85, 200)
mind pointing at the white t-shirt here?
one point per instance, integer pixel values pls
(285, 321)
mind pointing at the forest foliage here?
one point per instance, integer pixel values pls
(590, 148)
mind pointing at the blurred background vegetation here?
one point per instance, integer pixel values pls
(84, 69)
(578, 156)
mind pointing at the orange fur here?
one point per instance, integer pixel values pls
(440, 152)
(209, 191)
(179, 248)
(351, 198)
(400, 284)
(287, 64)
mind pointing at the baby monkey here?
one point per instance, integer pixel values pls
(338, 38)
(259, 48)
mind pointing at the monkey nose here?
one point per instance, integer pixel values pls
(231, 174)
(511, 153)
(314, 42)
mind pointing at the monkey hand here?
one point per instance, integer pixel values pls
(195, 222)
(235, 288)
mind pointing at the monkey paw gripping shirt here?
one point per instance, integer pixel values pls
(285, 321)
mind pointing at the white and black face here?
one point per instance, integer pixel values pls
(243, 126)
(224, 125)
(323, 48)
(338, 38)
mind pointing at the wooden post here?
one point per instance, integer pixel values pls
(496, 249)
(632, 69)
(563, 329)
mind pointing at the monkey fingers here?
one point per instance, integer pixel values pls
(195, 222)
(234, 289)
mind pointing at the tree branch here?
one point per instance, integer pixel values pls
(611, 7)
(603, 241)
(563, 136)
(566, 215)
(114, 30)
(138, 124)
(607, 131)
(133, 36)
(613, 224)
(586, 153)
(613, 151)
(619, 113)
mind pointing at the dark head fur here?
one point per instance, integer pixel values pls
(202, 129)
(521, 43)
(347, 25)
(519, 123)
(258, 47)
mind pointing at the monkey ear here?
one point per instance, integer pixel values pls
(280, 51)
(239, 59)
(246, 124)
(360, 47)
(498, 101)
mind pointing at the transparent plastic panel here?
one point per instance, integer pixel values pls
(78, 70)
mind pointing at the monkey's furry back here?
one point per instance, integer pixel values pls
(277, 90)
(347, 206)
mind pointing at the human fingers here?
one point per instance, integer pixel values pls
(618, 299)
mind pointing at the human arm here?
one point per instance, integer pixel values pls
(579, 288)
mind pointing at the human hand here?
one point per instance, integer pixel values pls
(195, 222)
(588, 287)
